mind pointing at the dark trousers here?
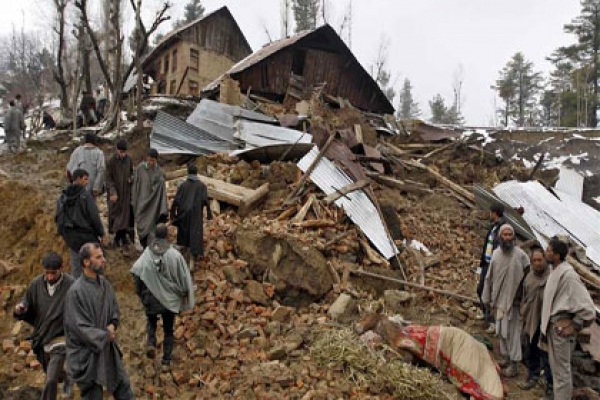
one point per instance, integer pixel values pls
(144, 241)
(487, 315)
(93, 391)
(536, 359)
(168, 319)
(53, 363)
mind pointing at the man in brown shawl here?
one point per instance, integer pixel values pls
(567, 309)
(501, 292)
(187, 214)
(535, 358)
(119, 178)
(149, 198)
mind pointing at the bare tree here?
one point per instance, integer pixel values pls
(115, 81)
(286, 8)
(59, 70)
(380, 69)
(346, 25)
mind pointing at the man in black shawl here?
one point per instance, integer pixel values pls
(42, 307)
(91, 320)
(119, 178)
(149, 197)
(187, 214)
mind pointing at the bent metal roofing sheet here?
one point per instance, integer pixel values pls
(361, 210)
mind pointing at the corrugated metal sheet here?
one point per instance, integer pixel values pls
(171, 135)
(259, 135)
(220, 119)
(570, 182)
(357, 204)
(551, 216)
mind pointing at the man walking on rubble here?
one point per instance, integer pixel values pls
(187, 214)
(90, 158)
(149, 197)
(13, 125)
(164, 284)
(94, 359)
(119, 178)
(535, 358)
(492, 241)
(501, 293)
(42, 307)
(566, 310)
(77, 218)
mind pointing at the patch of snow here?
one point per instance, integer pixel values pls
(2, 135)
(557, 162)
(485, 134)
(596, 199)
(546, 140)
(588, 173)
(528, 164)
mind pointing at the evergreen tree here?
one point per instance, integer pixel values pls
(454, 115)
(518, 86)
(438, 109)
(192, 11)
(305, 14)
(408, 108)
(586, 27)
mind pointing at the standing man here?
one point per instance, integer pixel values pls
(149, 197)
(19, 105)
(13, 125)
(164, 284)
(42, 307)
(90, 158)
(88, 108)
(187, 214)
(491, 243)
(77, 218)
(91, 320)
(531, 313)
(567, 309)
(101, 104)
(119, 178)
(502, 294)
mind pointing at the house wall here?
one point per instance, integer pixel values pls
(180, 81)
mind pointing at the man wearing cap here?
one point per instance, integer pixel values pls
(502, 294)
(149, 197)
(119, 178)
(567, 308)
(91, 159)
(491, 243)
(43, 308)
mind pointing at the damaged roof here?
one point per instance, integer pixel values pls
(363, 92)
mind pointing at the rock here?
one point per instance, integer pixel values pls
(256, 292)
(234, 274)
(237, 295)
(25, 345)
(248, 333)
(180, 377)
(7, 346)
(277, 353)
(396, 299)
(282, 314)
(293, 342)
(18, 367)
(16, 330)
(35, 365)
(213, 349)
(340, 306)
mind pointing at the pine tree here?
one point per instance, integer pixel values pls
(454, 115)
(305, 14)
(518, 85)
(192, 11)
(408, 108)
(439, 110)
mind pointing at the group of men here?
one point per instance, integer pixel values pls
(535, 304)
(14, 124)
(76, 316)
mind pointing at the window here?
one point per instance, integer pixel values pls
(174, 61)
(193, 88)
(166, 64)
(194, 59)
(173, 88)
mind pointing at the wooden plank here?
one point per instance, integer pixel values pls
(592, 279)
(250, 202)
(593, 347)
(304, 210)
(398, 184)
(345, 190)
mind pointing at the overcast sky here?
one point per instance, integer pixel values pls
(429, 39)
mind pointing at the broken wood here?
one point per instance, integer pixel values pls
(337, 238)
(398, 184)
(359, 133)
(416, 286)
(286, 214)
(593, 280)
(537, 166)
(334, 273)
(309, 171)
(315, 223)
(372, 255)
(252, 199)
(304, 210)
(443, 180)
(438, 150)
(344, 191)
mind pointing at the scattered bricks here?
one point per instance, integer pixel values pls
(18, 367)
(180, 377)
(35, 365)
(25, 345)
(8, 346)
(213, 349)
(237, 295)
(209, 316)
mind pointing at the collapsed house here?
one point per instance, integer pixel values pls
(289, 69)
(190, 57)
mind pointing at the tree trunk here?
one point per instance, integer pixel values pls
(593, 120)
(138, 66)
(59, 73)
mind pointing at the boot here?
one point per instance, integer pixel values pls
(167, 350)
(511, 370)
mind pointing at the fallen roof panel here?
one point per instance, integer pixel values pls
(361, 210)
(171, 135)
(259, 135)
(570, 182)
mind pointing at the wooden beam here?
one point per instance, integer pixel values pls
(443, 180)
(304, 210)
(398, 184)
(593, 279)
(251, 200)
(345, 190)
(417, 286)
